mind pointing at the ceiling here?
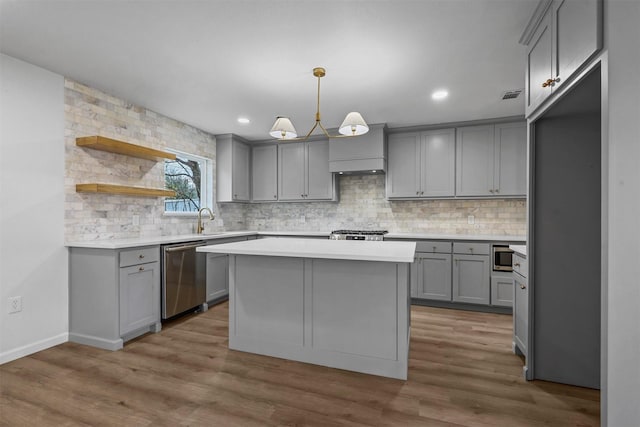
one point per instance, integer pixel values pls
(206, 63)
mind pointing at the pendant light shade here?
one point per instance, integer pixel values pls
(353, 125)
(283, 129)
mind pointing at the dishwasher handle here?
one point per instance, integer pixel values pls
(184, 247)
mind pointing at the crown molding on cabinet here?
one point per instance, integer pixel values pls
(535, 19)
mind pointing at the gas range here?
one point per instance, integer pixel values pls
(372, 235)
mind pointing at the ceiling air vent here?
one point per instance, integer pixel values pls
(511, 94)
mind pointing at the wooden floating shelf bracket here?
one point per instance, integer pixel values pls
(123, 190)
(114, 146)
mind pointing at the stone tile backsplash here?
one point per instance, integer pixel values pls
(362, 204)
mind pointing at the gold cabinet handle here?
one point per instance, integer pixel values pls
(551, 82)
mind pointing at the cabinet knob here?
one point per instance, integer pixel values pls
(141, 256)
(496, 190)
(141, 269)
(490, 191)
(550, 82)
(235, 196)
(516, 264)
(417, 193)
(522, 286)
(275, 196)
(434, 249)
(421, 193)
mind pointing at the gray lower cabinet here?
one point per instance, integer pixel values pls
(139, 296)
(502, 290)
(520, 313)
(217, 276)
(218, 269)
(114, 295)
(433, 276)
(471, 277)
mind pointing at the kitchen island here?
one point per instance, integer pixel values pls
(342, 304)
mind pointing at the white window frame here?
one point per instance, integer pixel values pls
(206, 182)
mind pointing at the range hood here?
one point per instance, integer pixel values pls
(365, 154)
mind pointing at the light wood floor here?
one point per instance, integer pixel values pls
(461, 373)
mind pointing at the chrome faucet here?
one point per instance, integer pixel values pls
(200, 227)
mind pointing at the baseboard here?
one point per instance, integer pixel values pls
(35, 347)
(462, 306)
(102, 343)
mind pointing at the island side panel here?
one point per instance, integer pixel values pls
(268, 300)
(270, 275)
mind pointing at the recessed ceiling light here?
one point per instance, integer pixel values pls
(243, 120)
(439, 94)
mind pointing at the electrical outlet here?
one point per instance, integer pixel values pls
(136, 220)
(15, 304)
(471, 219)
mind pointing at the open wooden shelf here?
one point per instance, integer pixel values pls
(114, 146)
(123, 190)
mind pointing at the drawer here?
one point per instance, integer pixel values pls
(139, 256)
(471, 248)
(433, 247)
(520, 265)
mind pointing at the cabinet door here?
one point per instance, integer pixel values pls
(217, 276)
(139, 296)
(501, 291)
(291, 171)
(521, 312)
(264, 176)
(577, 35)
(241, 171)
(474, 161)
(539, 67)
(319, 179)
(438, 161)
(403, 170)
(471, 279)
(434, 276)
(510, 173)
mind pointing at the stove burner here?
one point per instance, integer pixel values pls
(358, 234)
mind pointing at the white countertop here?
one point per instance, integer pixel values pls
(320, 248)
(519, 249)
(155, 240)
(470, 237)
(161, 240)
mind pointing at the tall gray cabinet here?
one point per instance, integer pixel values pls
(233, 157)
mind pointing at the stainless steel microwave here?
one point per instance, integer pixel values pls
(502, 258)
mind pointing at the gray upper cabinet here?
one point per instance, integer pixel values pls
(510, 170)
(438, 163)
(291, 171)
(491, 160)
(303, 171)
(264, 174)
(403, 174)
(421, 164)
(475, 161)
(539, 67)
(233, 158)
(567, 36)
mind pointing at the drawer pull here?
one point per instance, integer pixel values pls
(522, 286)
(141, 269)
(141, 256)
(516, 264)
(434, 249)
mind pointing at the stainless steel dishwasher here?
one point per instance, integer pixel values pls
(184, 278)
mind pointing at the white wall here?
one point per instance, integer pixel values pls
(622, 34)
(33, 259)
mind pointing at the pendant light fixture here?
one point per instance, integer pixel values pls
(353, 124)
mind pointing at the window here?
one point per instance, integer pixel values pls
(191, 177)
